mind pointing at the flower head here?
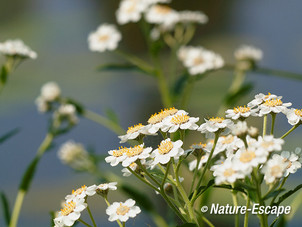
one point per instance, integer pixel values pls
(103, 189)
(17, 48)
(130, 11)
(106, 37)
(261, 98)
(240, 112)
(248, 53)
(81, 193)
(180, 120)
(273, 106)
(134, 153)
(192, 17)
(215, 124)
(161, 15)
(133, 132)
(116, 156)
(122, 211)
(294, 116)
(274, 168)
(292, 161)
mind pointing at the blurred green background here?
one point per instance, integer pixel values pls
(57, 30)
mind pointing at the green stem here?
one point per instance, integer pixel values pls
(289, 131)
(235, 201)
(83, 222)
(195, 174)
(246, 216)
(187, 92)
(165, 176)
(164, 89)
(264, 125)
(143, 180)
(273, 123)
(90, 215)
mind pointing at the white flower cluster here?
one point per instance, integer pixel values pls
(17, 48)
(248, 53)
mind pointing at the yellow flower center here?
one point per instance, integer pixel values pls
(227, 140)
(241, 109)
(268, 95)
(275, 171)
(165, 147)
(273, 102)
(103, 38)
(180, 119)
(289, 163)
(122, 210)
(198, 60)
(134, 128)
(132, 151)
(131, 7)
(68, 208)
(79, 190)
(217, 119)
(247, 156)
(298, 112)
(119, 152)
(228, 172)
(161, 9)
(158, 117)
(267, 144)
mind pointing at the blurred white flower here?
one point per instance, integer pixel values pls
(162, 15)
(203, 159)
(292, 161)
(215, 124)
(248, 53)
(274, 169)
(122, 211)
(199, 60)
(106, 37)
(17, 48)
(268, 143)
(130, 11)
(70, 213)
(50, 91)
(74, 155)
(294, 116)
(68, 111)
(240, 129)
(192, 17)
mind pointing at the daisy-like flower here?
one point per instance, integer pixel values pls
(156, 121)
(268, 144)
(74, 155)
(167, 150)
(122, 211)
(134, 153)
(273, 106)
(199, 60)
(50, 91)
(294, 116)
(116, 156)
(240, 112)
(130, 11)
(162, 15)
(70, 212)
(261, 98)
(228, 143)
(215, 124)
(180, 120)
(248, 53)
(133, 132)
(292, 161)
(274, 169)
(192, 17)
(81, 192)
(227, 172)
(106, 37)
(17, 48)
(103, 189)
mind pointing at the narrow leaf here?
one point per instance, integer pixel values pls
(6, 209)
(118, 67)
(29, 173)
(202, 189)
(288, 194)
(274, 193)
(8, 135)
(112, 116)
(232, 98)
(3, 75)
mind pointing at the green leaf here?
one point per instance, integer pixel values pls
(225, 186)
(8, 135)
(29, 173)
(118, 67)
(142, 200)
(3, 75)
(273, 193)
(202, 189)
(232, 98)
(187, 225)
(6, 209)
(287, 194)
(180, 84)
(112, 116)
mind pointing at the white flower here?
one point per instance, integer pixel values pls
(81, 192)
(268, 143)
(227, 172)
(135, 168)
(75, 155)
(156, 121)
(167, 150)
(116, 156)
(133, 132)
(42, 104)
(50, 91)
(204, 158)
(240, 129)
(122, 211)
(199, 60)
(17, 48)
(274, 168)
(70, 213)
(273, 106)
(229, 143)
(292, 161)
(240, 112)
(130, 11)
(134, 153)
(248, 53)
(192, 17)
(106, 37)
(162, 15)
(214, 124)
(294, 116)
(106, 187)
(180, 120)
(68, 111)
(260, 98)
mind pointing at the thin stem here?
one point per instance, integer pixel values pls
(143, 180)
(235, 201)
(195, 174)
(17, 208)
(289, 131)
(264, 125)
(83, 222)
(187, 92)
(164, 89)
(207, 221)
(124, 224)
(147, 173)
(165, 176)
(90, 215)
(246, 216)
(273, 123)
